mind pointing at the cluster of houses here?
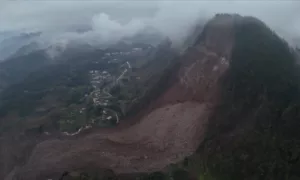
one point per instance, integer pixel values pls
(134, 50)
(103, 81)
(99, 78)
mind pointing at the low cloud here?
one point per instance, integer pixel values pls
(108, 21)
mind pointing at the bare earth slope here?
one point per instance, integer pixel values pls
(170, 128)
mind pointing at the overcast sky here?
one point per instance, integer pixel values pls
(114, 19)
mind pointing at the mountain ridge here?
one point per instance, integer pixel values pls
(192, 100)
(221, 96)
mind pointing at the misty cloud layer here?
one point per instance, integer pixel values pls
(108, 21)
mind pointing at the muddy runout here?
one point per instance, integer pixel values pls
(170, 128)
(161, 138)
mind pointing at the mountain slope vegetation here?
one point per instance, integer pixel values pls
(234, 94)
(254, 132)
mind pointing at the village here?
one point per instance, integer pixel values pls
(103, 83)
(113, 90)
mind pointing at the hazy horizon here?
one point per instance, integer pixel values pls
(111, 20)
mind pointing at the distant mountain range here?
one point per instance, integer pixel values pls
(16, 43)
(10, 43)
